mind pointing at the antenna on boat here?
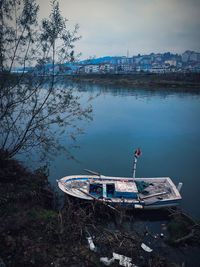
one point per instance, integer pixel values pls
(137, 153)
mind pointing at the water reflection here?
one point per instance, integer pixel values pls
(122, 91)
(164, 123)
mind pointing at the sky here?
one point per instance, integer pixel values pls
(115, 27)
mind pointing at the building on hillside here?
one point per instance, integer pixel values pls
(125, 61)
(189, 56)
(144, 67)
(185, 56)
(157, 58)
(91, 68)
(171, 62)
(106, 68)
(195, 56)
(125, 68)
(146, 60)
(158, 63)
(158, 68)
(137, 59)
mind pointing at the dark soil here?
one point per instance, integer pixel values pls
(34, 233)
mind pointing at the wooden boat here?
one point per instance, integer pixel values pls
(138, 193)
(143, 193)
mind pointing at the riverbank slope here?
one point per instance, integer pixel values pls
(164, 80)
(34, 233)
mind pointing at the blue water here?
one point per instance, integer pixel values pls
(164, 124)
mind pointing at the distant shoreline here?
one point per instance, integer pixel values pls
(165, 80)
(170, 81)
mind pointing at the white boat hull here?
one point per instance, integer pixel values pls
(160, 192)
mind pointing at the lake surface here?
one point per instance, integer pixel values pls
(164, 124)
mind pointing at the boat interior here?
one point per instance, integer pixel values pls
(118, 189)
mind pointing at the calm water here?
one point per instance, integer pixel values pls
(165, 125)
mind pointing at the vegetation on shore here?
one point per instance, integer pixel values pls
(34, 233)
(149, 80)
(32, 108)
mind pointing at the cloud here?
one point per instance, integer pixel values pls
(110, 27)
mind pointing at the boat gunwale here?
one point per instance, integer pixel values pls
(106, 178)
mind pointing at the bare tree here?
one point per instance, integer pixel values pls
(32, 103)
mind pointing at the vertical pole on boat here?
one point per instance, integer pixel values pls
(136, 155)
(134, 166)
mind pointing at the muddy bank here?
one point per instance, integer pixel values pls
(171, 80)
(33, 232)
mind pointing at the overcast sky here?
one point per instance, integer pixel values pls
(111, 27)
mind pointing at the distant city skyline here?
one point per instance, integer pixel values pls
(113, 27)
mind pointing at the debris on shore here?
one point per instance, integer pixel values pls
(34, 233)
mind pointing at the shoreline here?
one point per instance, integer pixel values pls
(152, 81)
(48, 236)
(170, 81)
